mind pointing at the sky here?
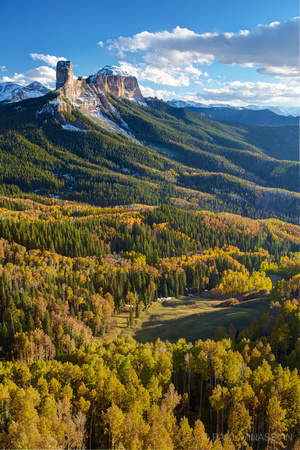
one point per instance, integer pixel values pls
(237, 52)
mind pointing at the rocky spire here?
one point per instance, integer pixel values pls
(64, 78)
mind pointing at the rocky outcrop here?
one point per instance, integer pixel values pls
(92, 95)
(65, 78)
(114, 81)
(92, 92)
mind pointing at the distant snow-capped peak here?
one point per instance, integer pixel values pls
(184, 104)
(280, 110)
(12, 92)
(37, 86)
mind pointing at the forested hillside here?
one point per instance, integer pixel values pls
(176, 157)
(96, 223)
(68, 268)
(245, 115)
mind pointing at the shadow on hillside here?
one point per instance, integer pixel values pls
(202, 325)
(187, 302)
(174, 304)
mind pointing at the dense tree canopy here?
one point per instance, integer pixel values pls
(67, 268)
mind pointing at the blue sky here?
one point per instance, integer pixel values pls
(238, 52)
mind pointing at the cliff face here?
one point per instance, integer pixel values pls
(91, 95)
(121, 87)
(114, 81)
(92, 92)
(64, 75)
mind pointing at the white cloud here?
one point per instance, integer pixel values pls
(51, 60)
(147, 91)
(284, 72)
(43, 74)
(160, 93)
(3, 68)
(167, 75)
(266, 48)
(163, 93)
(101, 44)
(132, 69)
(238, 93)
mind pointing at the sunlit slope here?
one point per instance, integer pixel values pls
(166, 155)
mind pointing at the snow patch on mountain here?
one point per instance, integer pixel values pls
(183, 104)
(12, 92)
(109, 71)
(139, 102)
(101, 119)
(72, 128)
(49, 108)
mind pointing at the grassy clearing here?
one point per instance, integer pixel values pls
(193, 318)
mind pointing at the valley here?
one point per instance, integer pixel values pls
(126, 227)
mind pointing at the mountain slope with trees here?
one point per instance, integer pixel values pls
(66, 268)
(175, 155)
(94, 222)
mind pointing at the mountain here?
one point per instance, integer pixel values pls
(251, 115)
(125, 220)
(247, 116)
(90, 95)
(90, 92)
(11, 92)
(84, 143)
(280, 110)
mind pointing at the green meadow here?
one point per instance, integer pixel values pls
(191, 318)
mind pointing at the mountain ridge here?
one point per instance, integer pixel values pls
(113, 80)
(279, 110)
(12, 92)
(169, 155)
(83, 143)
(248, 115)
